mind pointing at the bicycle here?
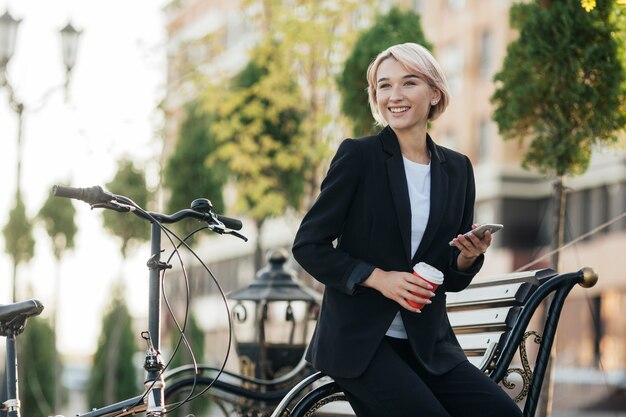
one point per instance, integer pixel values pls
(13, 317)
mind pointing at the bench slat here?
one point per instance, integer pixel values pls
(485, 297)
(490, 319)
(478, 341)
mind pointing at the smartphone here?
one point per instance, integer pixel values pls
(480, 230)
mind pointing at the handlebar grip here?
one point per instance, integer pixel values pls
(91, 195)
(229, 222)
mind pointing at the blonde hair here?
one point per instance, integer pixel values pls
(417, 60)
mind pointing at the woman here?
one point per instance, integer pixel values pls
(391, 201)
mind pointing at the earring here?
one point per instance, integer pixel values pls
(434, 102)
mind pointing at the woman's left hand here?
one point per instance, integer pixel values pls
(471, 247)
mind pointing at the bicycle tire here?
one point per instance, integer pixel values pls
(317, 398)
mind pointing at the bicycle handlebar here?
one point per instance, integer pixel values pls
(96, 196)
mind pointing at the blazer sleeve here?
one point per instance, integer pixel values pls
(459, 280)
(313, 244)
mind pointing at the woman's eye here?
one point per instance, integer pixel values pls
(384, 85)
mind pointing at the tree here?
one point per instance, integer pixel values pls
(187, 174)
(259, 135)
(561, 89)
(128, 181)
(314, 36)
(38, 354)
(113, 375)
(563, 96)
(57, 215)
(18, 237)
(395, 27)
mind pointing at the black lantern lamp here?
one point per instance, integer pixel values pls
(273, 319)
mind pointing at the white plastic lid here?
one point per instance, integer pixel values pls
(429, 273)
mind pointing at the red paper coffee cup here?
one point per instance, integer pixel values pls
(429, 274)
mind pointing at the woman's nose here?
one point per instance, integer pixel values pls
(396, 93)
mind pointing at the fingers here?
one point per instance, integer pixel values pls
(471, 246)
(403, 287)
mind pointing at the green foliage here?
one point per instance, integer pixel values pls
(562, 84)
(187, 175)
(113, 375)
(395, 27)
(313, 37)
(57, 215)
(259, 134)
(36, 353)
(130, 182)
(18, 233)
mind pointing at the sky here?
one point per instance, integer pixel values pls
(110, 111)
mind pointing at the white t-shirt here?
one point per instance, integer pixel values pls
(418, 181)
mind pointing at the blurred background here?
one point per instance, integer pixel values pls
(244, 102)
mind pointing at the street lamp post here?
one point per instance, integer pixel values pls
(8, 38)
(69, 44)
(273, 320)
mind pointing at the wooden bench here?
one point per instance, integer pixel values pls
(491, 321)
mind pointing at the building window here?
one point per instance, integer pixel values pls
(456, 5)
(486, 54)
(483, 141)
(418, 6)
(449, 139)
(452, 63)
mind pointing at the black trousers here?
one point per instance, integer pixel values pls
(394, 386)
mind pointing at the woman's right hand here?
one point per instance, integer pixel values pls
(400, 287)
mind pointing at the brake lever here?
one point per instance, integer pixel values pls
(236, 234)
(112, 206)
(219, 228)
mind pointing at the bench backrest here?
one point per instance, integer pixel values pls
(483, 314)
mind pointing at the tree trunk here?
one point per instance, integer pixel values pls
(14, 290)
(559, 199)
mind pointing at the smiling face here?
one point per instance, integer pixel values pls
(403, 98)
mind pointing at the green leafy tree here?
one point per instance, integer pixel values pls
(18, 238)
(130, 182)
(113, 375)
(314, 36)
(561, 90)
(187, 174)
(260, 139)
(395, 27)
(38, 354)
(57, 215)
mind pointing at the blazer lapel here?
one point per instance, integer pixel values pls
(438, 198)
(398, 187)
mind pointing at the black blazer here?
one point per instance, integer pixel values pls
(364, 206)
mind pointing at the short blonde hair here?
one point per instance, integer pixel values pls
(417, 60)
